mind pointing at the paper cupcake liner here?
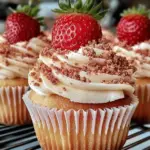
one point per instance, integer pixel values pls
(142, 113)
(85, 130)
(12, 108)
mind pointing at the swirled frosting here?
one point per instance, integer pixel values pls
(92, 74)
(140, 54)
(17, 59)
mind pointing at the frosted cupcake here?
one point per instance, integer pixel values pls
(136, 34)
(19, 51)
(81, 99)
(142, 114)
(140, 56)
(15, 62)
(81, 92)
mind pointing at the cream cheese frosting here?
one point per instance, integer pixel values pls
(2, 39)
(91, 74)
(140, 53)
(17, 59)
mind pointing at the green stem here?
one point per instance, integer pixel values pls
(78, 6)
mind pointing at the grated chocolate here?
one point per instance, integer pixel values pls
(48, 73)
(107, 62)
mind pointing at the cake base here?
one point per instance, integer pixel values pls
(64, 125)
(12, 108)
(56, 101)
(142, 113)
(14, 82)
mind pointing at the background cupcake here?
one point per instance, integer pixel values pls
(19, 50)
(82, 96)
(142, 114)
(139, 55)
(137, 35)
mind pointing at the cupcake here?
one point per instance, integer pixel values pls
(19, 51)
(137, 35)
(81, 99)
(142, 113)
(81, 93)
(139, 55)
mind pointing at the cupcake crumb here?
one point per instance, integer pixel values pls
(64, 89)
(36, 84)
(48, 73)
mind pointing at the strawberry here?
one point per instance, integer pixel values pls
(134, 26)
(77, 26)
(22, 25)
(74, 30)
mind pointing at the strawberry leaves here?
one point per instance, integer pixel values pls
(88, 7)
(64, 5)
(29, 10)
(140, 10)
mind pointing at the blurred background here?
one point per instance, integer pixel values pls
(109, 21)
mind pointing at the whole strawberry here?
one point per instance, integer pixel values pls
(134, 26)
(77, 25)
(23, 24)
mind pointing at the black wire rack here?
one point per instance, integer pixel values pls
(23, 138)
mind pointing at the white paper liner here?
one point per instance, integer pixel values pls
(12, 108)
(91, 129)
(142, 113)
